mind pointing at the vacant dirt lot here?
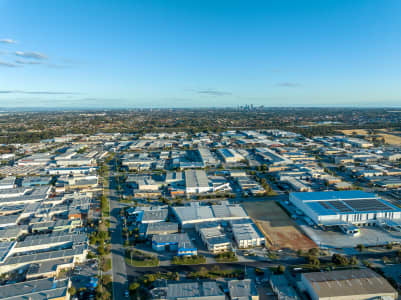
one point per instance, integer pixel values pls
(357, 131)
(391, 139)
(280, 231)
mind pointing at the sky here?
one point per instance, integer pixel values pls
(129, 54)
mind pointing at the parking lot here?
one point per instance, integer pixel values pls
(83, 279)
(369, 236)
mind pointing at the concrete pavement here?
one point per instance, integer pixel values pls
(120, 281)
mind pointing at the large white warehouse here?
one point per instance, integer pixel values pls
(345, 207)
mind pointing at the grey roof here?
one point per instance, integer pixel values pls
(345, 283)
(245, 231)
(218, 240)
(11, 232)
(241, 289)
(54, 238)
(52, 224)
(86, 181)
(47, 266)
(198, 290)
(8, 209)
(5, 248)
(158, 227)
(181, 239)
(9, 219)
(196, 178)
(36, 194)
(36, 180)
(174, 176)
(35, 289)
(42, 256)
(206, 156)
(154, 215)
(214, 212)
(13, 191)
(9, 180)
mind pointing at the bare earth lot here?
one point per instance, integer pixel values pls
(278, 228)
(357, 131)
(390, 137)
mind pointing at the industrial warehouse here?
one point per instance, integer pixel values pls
(188, 216)
(336, 208)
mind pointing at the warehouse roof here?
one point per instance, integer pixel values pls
(55, 238)
(344, 202)
(333, 195)
(214, 212)
(245, 231)
(151, 228)
(35, 289)
(41, 256)
(5, 248)
(196, 178)
(187, 290)
(44, 267)
(241, 289)
(348, 283)
(181, 239)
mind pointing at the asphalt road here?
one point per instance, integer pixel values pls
(120, 282)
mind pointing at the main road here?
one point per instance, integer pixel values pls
(120, 281)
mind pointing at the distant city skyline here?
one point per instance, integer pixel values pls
(160, 54)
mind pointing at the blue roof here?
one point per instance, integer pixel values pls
(226, 153)
(333, 195)
(329, 209)
(318, 209)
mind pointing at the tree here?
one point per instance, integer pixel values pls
(314, 261)
(133, 287)
(106, 266)
(353, 261)
(259, 271)
(313, 251)
(203, 272)
(90, 255)
(339, 259)
(100, 250)
(280, 269)
(107, 279)
(360, 247)
(72, 291)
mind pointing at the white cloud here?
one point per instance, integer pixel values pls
(8, 41)
(34, 55)
(7, 64)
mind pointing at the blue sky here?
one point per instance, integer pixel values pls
(102, 53)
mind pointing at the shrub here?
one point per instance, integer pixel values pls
(280, 269)
(107, 279)
(106, 265)
(188, 260)
(360, 247)
(339, 259)
(72, 291)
